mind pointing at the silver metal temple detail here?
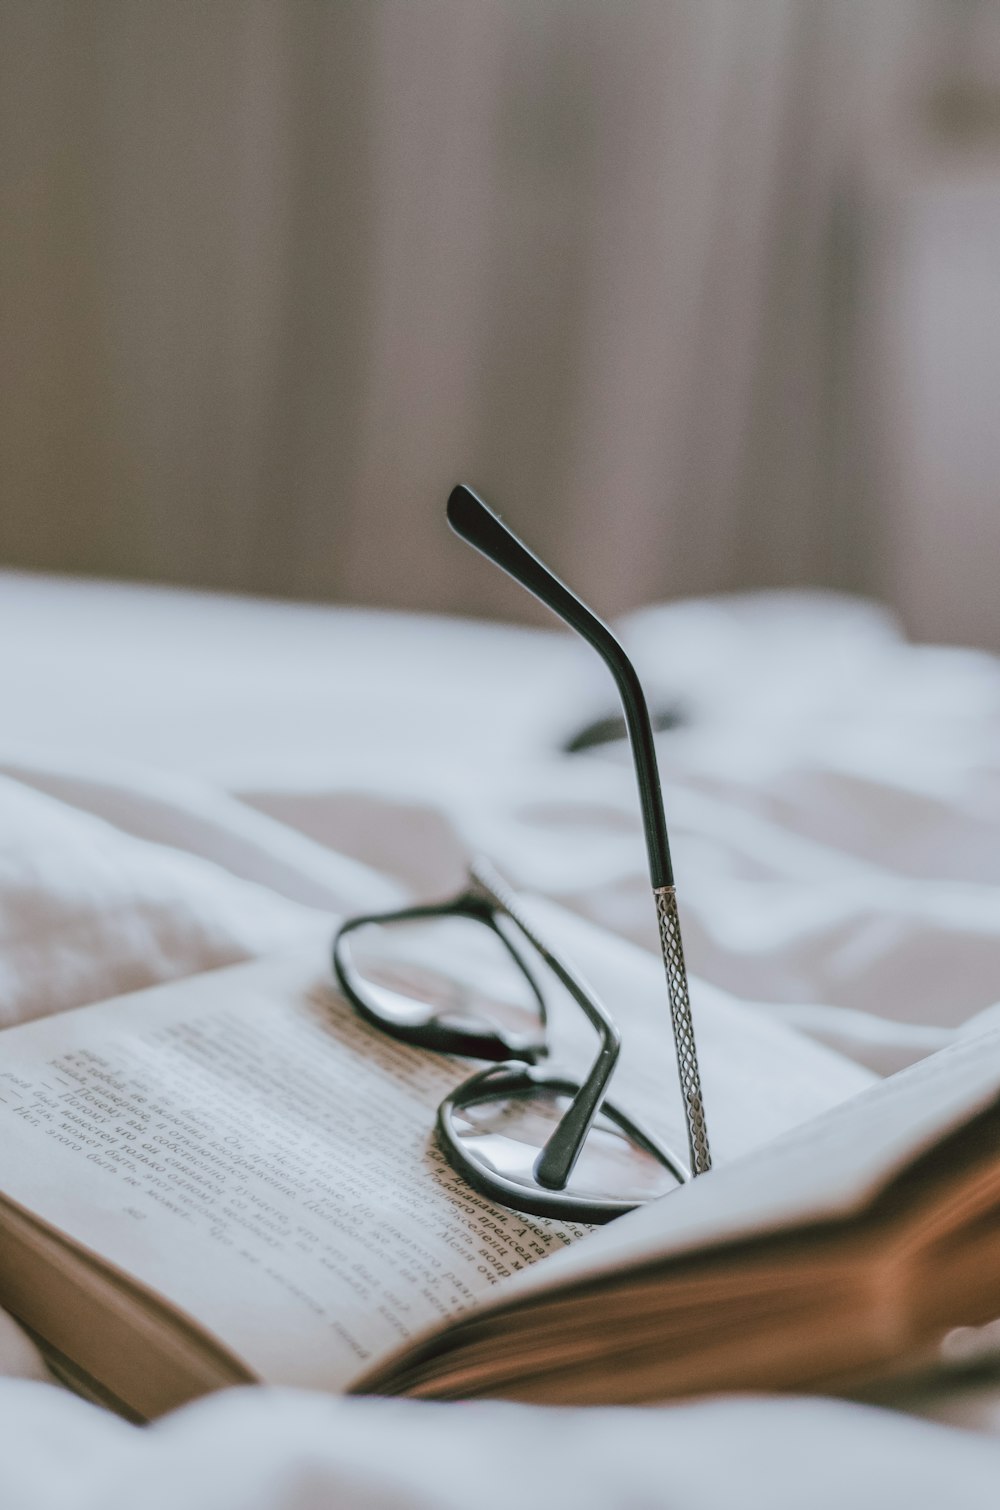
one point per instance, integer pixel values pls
(680, 1013)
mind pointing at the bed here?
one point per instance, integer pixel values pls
(187, 780)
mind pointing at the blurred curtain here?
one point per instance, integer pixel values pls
(274, 275)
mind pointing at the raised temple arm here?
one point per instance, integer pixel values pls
(477, 524)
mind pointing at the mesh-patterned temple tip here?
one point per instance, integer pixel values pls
(683, 1025)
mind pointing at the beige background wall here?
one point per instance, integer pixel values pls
(272, 276)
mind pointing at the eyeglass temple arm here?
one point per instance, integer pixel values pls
(470, 518)
(477, 524)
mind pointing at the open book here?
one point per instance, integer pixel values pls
(233, 1178)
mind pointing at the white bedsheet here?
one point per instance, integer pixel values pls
(187, 780)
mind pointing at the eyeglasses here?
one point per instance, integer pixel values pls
(471, 976)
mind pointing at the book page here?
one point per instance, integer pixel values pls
(243, 1144)
(759, 1077)
(248, 1148)
(827, 1169)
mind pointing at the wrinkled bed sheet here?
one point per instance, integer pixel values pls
(188, 780)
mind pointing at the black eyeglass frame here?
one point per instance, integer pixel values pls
(514, 1074)
(481, 528)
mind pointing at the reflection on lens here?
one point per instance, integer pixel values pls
(453, 970)
(505, 1136)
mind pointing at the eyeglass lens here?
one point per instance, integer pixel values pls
(504, 1134)
(455, 971)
